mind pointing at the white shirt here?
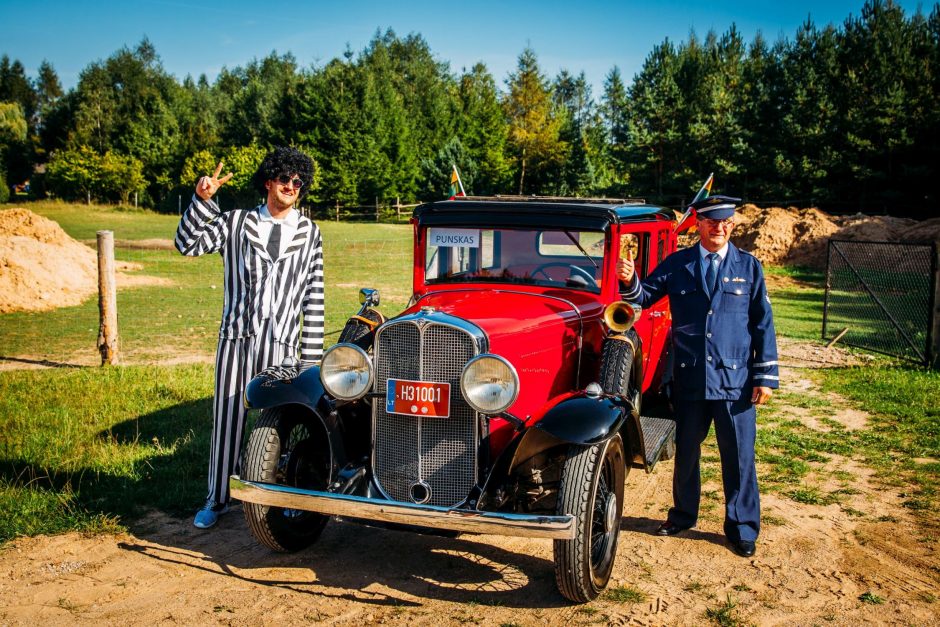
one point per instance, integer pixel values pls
(722, 253)
(288, 226)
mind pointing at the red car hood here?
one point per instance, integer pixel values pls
(507, 315)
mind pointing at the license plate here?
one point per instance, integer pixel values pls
(418, 398)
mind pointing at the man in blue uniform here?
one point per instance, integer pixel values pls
(724, 363)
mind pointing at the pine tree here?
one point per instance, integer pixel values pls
(534, 127)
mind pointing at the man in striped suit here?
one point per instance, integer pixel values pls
(273, 266)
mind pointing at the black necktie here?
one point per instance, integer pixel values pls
(274, 242)
(711, 275)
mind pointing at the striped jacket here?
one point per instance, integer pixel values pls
(289, 290)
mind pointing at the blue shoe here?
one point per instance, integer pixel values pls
(209, 514)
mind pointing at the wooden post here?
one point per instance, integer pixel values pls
(376, 208)
(398, 208)
(107, 300)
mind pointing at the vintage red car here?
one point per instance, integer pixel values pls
(504, 399)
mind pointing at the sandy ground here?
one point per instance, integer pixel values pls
(812, 565)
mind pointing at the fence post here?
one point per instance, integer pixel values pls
(107, 300)
(398, 208)
(337, 210)
(376, 208)
(933, 332)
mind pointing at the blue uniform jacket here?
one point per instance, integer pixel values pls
(725, 345)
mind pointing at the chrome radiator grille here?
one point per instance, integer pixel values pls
(440, 452)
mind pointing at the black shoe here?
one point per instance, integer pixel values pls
(670, 528)
(744, 548)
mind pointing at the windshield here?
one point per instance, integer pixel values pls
(554, 258)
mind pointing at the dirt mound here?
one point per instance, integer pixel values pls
(42, 268)
(792, 236)
(780, 236)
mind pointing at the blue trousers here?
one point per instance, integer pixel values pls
(736, 430)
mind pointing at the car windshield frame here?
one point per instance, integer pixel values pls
(553, 257)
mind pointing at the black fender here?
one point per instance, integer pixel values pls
(580, 419)
(278, 387)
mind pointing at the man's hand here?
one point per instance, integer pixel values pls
(761, 395)
(207, 186)
(625, 268)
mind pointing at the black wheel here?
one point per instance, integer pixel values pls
(573, 271)
(591, 490)
(617, 364)
(282, 449)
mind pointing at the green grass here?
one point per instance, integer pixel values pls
(625, 594)
(161, 322)
(901, 441)
(904, 429)
(724, 614)
(798, 307)
(87, 448)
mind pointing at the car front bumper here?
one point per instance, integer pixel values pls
(431, 516)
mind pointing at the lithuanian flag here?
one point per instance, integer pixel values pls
(456, 187)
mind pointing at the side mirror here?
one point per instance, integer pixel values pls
(369, 297)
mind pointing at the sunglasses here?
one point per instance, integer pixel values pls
(284, 179)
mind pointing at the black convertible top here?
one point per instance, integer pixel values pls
(588, 214)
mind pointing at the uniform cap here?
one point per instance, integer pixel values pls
(716, 207)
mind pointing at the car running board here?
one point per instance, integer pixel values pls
(659, 439)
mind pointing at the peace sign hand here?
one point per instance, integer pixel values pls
(207, 186)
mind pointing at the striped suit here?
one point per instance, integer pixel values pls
(272, 307)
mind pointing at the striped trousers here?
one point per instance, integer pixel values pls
(236, 362)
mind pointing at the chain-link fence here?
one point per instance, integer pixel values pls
(880, 296)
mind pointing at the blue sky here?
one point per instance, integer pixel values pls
(202, 37)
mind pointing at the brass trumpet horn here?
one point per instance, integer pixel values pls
(620, 316)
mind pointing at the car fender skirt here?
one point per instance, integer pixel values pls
(271, 389)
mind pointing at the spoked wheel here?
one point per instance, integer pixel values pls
(281, 449)
(591, 490)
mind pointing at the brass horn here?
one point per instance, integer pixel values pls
(620, 316)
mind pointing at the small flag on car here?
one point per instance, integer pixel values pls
(456, 187)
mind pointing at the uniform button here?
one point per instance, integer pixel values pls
(708, 335)
(737, 291)
(734, 366)
(709, 358)
(682, 292)
(682, 365)
(725, 279)
(710, 312)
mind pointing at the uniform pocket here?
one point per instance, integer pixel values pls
(732, 373)
(735, 298)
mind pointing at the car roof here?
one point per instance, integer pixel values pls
(590, 214)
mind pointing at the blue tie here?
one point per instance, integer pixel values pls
(711, 274)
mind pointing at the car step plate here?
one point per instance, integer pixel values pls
(659, 437)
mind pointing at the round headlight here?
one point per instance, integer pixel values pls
(346, 372)
(489, 384)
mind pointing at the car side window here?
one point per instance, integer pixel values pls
(636, 245)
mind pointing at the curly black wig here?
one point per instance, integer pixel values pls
(284, 160)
